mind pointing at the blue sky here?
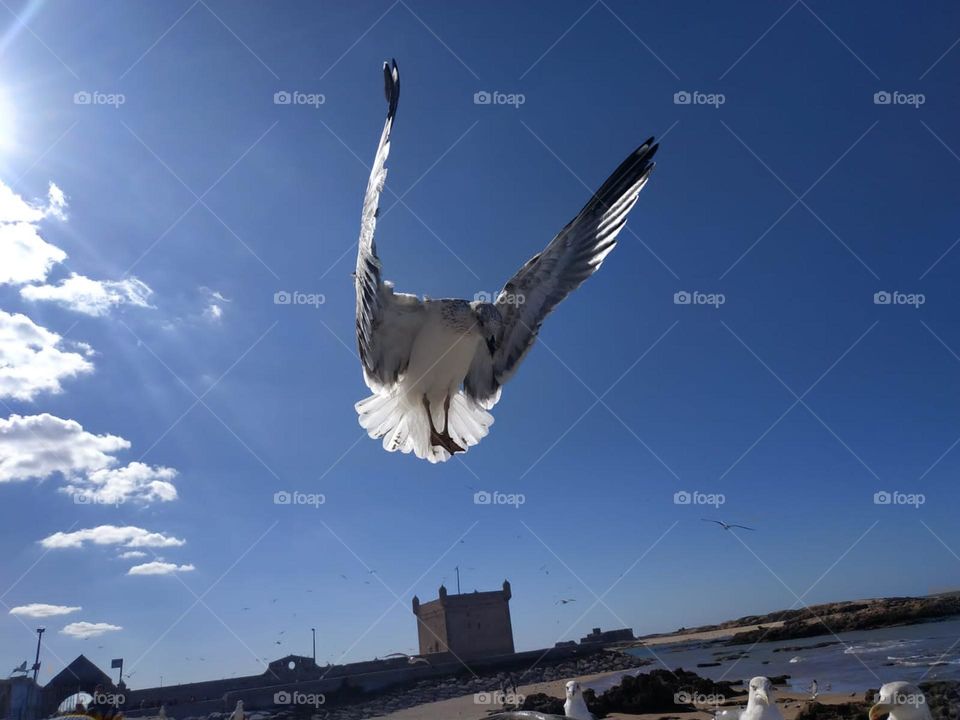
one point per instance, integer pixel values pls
(174, 381)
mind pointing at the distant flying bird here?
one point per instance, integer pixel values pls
(437, 366)
(728, 526)
(21, 668)
(761, 704)
(901, 701)
(564, 602)
(411, 659)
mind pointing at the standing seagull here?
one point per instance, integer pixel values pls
(575, 706)
(761, 704)
(900, 701)
(436, 366)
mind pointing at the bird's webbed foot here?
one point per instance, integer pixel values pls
(442, 439)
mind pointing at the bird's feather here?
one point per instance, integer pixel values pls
(387, 322)
(548, 277)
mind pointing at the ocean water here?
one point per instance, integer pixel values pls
(853, 662)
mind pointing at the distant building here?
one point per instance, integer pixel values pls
(81, 675)
(608, 636)
(468, 624)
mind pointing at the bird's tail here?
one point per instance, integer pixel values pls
(404, 426)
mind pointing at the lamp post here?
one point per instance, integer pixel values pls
(314, 632)
(36, 663)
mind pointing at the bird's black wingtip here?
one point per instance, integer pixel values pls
(391, 84)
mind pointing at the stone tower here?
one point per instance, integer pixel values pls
(469, 625)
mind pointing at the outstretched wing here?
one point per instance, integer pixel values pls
(547, 278)
(387, 321)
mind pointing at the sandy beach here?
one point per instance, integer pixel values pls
(464, 708)
(717, 634)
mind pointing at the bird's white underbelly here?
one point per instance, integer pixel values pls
(439, 361)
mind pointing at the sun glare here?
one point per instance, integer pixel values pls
(7, 121)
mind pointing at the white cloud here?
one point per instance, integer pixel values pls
(84, 630)
(215, 302)
(42, 610)
(132, 555)
(36, 446)
(91, 297)
(13, 208)
(33, 360)
(24, 255)
(128, 536)
(135, 482)
(159, 568)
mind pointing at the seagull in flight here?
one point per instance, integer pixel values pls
(727, 526)
(436, 366)
(411, 659)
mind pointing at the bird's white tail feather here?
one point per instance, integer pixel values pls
(469, 423)
(404, 426)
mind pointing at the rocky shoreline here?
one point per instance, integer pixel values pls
(485, 686)
(833, 618)
(652, 692)
(943, 700)
(658, 691)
